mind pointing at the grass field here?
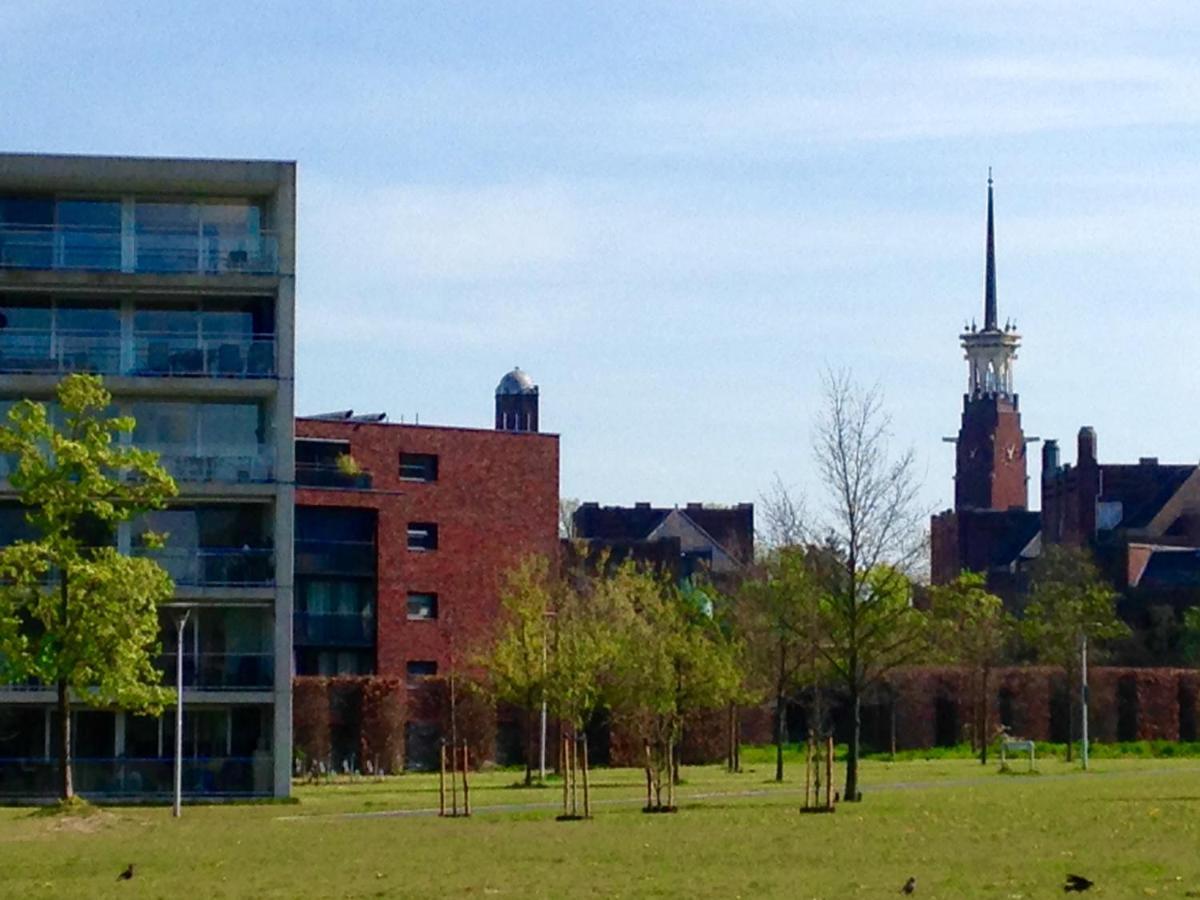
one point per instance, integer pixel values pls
(1131, 825)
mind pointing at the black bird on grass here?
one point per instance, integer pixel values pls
(127, 874)
(910, 886)
(1077, 883)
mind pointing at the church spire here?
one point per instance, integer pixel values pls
(989, 290)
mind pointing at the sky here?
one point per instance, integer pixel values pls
(676, 215)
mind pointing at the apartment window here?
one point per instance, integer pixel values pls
(422, 606)
(419, 466)
(417, 670)
(422, 536)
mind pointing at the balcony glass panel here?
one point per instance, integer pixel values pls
(206, 441)
(219, 545)
(202, 776)
(89, 234)
(26, 232)
(334, 629)
(201, 237)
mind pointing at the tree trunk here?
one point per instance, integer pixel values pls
(737, 739)
(528, 746)
(1070, 724)
(780, 724)
(850, 795)
(66, 781)
(983, 716)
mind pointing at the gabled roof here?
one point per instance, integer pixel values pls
(1143, 490)
(731, 529)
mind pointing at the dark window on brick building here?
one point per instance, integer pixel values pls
(417, 670)
(422, 606)
(422, 536)
(419, 466)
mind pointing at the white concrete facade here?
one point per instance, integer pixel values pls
(175, 280)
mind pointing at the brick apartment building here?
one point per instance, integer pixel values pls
(404, 532)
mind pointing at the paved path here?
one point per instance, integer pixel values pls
(971, 781)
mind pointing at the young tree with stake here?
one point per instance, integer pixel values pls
(874, 540)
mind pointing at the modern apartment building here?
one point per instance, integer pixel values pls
(404, 532)
(174, 279)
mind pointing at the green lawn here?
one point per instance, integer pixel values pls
(964, 831)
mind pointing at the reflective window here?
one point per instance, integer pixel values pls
(91, 233)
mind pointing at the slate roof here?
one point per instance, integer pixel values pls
(732, 528)
(1142, 490)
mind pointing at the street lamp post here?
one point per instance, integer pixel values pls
(180, 625)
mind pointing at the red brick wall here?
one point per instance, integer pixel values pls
(986, 476)
(495, 501)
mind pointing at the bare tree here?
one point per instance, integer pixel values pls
(783, 515)
(873, 542)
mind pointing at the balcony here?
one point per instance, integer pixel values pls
(221, 671)
(37, 351)
(25, 777)
(215, 567)
(92, 248)
(334, 629)
(328, 475)
(321, 557)
(186, 465)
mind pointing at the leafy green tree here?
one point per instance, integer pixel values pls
(778, 618)
(971, 627)
(671, 660)
(518, 659)
(1069, 600)
(75, 613)
(1191, 635)
(874, 540)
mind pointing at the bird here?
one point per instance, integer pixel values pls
(127, 874)
(910, 886)
(1077, 883)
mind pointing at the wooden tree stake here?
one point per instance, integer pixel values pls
(466, 764)
(587, 800)
(442, 783)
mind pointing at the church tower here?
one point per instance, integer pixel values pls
(990, 466)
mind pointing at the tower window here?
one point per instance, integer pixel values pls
(418, 466)
(422, 536)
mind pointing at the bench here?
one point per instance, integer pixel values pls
(1010, 745)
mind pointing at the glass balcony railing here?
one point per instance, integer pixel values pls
(145, 250)
(329, 475)
(189, 465)
(215, 567)
(251, 356)
(221, 671)
(150, 354)
(204, 776)
(321, 557)
(311, 629)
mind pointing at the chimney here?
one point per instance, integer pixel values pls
(1087, 446)
(1050, 461)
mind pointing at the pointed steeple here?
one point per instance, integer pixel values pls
(989, 290)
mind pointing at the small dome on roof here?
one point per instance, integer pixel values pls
(516, 382)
